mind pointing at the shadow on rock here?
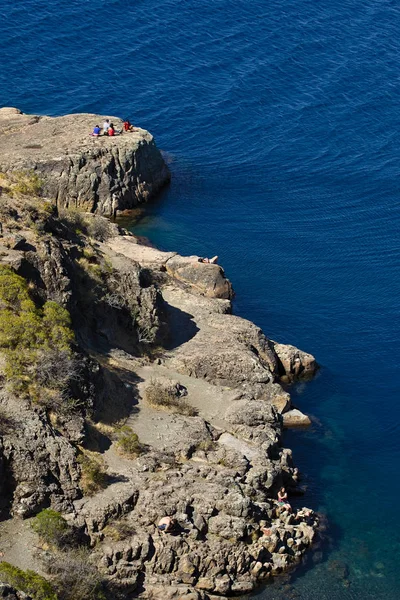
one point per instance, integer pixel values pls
(181, 326)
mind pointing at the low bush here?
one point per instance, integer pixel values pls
(98, 228)
(73, 219)
(160, 395)
(92, 269)
(36, 342)
(29, 582)
(128, 442)
(51, 527)
(26, 183)
(94, 476)
(75, 577)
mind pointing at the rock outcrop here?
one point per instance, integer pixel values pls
(103, 175)
(40, 466)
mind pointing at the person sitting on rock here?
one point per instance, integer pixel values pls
(166, 524)
(209, 261)
(106, 126)
(96, 131)
(282, 499)
(111, 130)
(127, 126)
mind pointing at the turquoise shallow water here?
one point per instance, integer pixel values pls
(281, 124)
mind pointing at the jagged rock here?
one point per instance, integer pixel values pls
(95, 513)
(295, 364)
(41, 467)
(252, 413)
(104, 175)
(228, 527)
(239, 446)
(14, 242)
(281, 402)
(50, 268)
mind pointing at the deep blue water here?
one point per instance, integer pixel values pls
(281, 122)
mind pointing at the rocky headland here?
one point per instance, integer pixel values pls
(143, 396)
(96, 174)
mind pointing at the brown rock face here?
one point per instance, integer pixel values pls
(206, 279)
(102, 175)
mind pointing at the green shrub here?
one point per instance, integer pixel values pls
(29, 582)
(32, 338)
(160, 395)
(128, 442)
(51, 527)
(93, 476)
(92, 269)
(73, 219)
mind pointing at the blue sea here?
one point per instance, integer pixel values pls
(280, 122)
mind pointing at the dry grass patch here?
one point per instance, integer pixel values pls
(164, 395)
(118, 531)
(24, 183)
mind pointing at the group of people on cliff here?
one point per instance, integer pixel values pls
(109, 129)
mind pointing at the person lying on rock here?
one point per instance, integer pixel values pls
(282, 499)
(267, 530)
(166, 524)
(209, 261)
(96, 131)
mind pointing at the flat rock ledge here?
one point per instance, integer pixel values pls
(103, 175)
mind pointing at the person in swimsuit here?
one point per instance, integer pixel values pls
(209, 261)
(166, 524)
(282, 499)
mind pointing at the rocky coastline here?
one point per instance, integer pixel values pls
(179, 403)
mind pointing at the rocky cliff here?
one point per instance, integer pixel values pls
(103, 175)
(161, 403)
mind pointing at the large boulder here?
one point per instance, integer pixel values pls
(204, 278)
(294, 363)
